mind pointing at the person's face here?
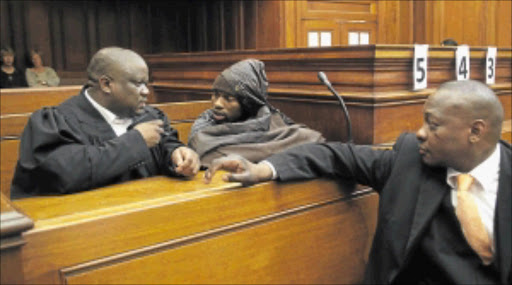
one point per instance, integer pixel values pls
(226, 108)
(36, 60)
(8, 59)
(128, 86)
(444, 136)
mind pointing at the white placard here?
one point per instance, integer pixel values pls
(490, 65)
(312, 39)
(353, 38)
(364, 38)
(325, 39)
(420, 67)
(462, 62)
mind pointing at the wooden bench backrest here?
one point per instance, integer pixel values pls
(11, 125)
(27, 100)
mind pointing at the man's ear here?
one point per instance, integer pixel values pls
(478, 128)
(105, 84)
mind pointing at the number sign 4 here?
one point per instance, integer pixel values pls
(462, 62)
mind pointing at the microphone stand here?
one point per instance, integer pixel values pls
(323, 78)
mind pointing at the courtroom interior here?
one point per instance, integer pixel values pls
(384, 59)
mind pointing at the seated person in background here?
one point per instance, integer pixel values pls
(449, 42)
(445, 202)
(39, 75)
(10, 77)
(107, 134)
(241, 120)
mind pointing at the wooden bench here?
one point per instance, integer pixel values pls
(169, 231)
(27, 100)
(182, 115)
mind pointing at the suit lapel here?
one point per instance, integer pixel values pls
(503, 219)
(430, 197)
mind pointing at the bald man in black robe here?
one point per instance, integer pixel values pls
(107, 134)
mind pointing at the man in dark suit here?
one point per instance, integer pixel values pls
(445, 196)
(106, 134)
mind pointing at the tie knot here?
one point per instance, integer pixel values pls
(464, 181)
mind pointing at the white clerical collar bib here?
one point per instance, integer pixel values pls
(118, 124)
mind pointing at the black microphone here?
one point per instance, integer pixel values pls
(323, 78)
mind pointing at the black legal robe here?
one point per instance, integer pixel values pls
(71, 148)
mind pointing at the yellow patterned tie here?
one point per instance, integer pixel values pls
(470, 220)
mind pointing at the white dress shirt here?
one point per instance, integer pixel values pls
(119, 125)
(484, 189)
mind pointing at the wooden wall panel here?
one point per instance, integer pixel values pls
(74, 43)
(395, 22)
(475, 23)
(338, 17)
(270, 26)
(69, 32)
(503, 23)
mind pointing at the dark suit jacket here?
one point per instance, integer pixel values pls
(410, 192)
(71, 148)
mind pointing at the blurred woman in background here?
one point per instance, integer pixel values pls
(39, 75)
(10, 77)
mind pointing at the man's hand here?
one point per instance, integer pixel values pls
(186, 161)
(242, 170)
(151, 131)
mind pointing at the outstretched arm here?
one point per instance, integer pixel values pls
(242, 170)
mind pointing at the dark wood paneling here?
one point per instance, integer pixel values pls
(74, 41)
(69, 32)
(37, 30)
(5, 23)
(270, 24)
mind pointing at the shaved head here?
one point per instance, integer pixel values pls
(118, 80)
(111, 60)
(462, 125)
(472, 100)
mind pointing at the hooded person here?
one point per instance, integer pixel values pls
(241, 121)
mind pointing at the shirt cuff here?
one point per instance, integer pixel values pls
(274, 172)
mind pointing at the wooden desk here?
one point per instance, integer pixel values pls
(165, 230)
(374, 80)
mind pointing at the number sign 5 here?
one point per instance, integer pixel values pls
(420, 67)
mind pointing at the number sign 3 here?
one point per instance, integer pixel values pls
(490, 66)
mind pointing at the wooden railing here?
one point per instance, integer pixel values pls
(375, 81)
